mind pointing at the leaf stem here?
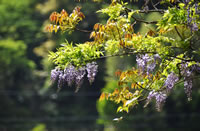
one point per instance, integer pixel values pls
(178, 33)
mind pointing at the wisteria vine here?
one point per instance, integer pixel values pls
(165, 56)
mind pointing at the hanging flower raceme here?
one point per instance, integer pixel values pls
(142, 61)
(72, 75)
(55, 73)
(61, 80)
(160, 98)
(172, 78)
(187, 73)
(92, 71)
(80, 73)
(146, 63)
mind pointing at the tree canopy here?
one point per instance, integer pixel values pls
(167, 54)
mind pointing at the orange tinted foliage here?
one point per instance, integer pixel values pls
(53, 17)
(64, 13)
(118, 73)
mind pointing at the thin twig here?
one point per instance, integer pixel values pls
(141, 86)
(122, 54)
(142, 99)
(143, 21)
(154, 5)
(85, 31)
(138, 85)
(157, 3)
(197, 77)
(146, 11)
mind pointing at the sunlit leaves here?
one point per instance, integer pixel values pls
(160, 51)
(113, 10)
(103, 96)
(124, 97)
(65, 22)
(186, 15)
(77, 56)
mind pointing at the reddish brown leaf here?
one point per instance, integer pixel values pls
(118, 73)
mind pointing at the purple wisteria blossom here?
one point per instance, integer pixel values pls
(142, 61)
(152, 64)
(188, 88)
(92, 71)
(160, 98)
(172, 78)
(70, 74)
(55, 73)
(151, 95)
(80, 73)
(187, 73)
(151, 67)
(61, 80)
(146, 63)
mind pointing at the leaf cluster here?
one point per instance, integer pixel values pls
(64, 21)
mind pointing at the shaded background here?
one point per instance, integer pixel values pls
(28, 99)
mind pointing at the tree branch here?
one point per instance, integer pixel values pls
(141, 86)
(142, 52)
(178, 33)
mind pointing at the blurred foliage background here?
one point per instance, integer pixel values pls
(29, 102)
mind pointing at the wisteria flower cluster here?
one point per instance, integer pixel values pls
(172, 78)
(146, 63)
(72, 75)
(92, 71)
(187, 73)
(160, 98)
